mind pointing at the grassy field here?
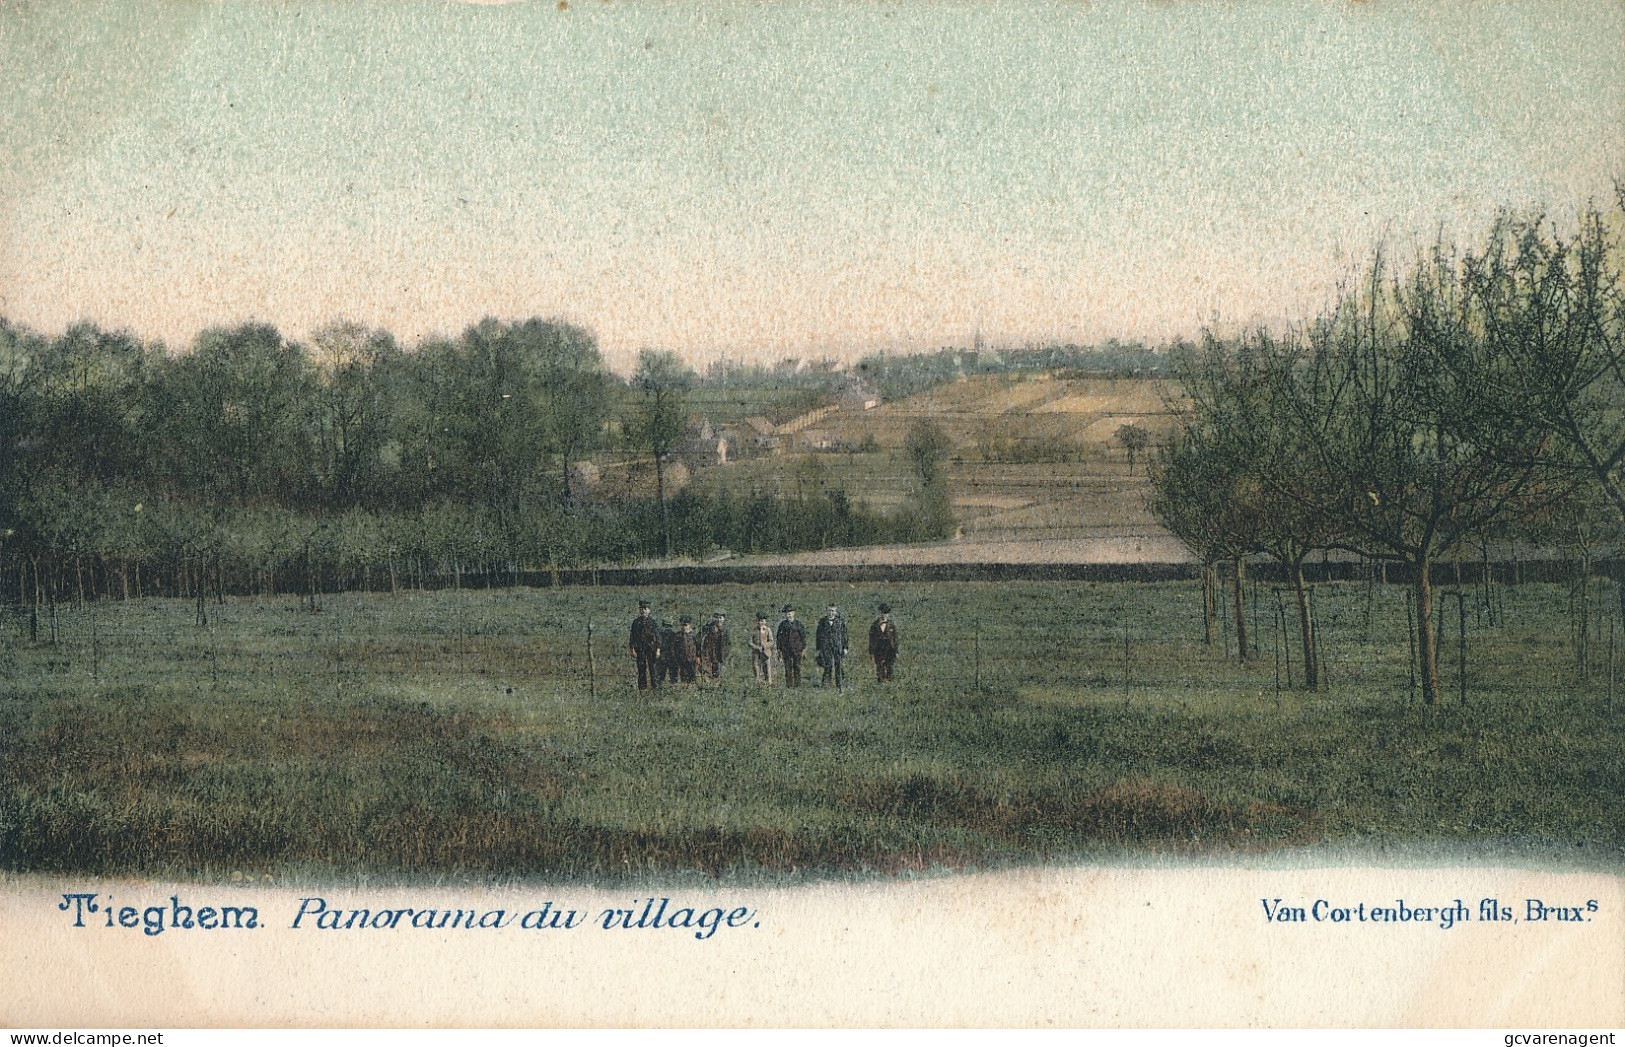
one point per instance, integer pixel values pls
(459, 734)
(1082, 412)
(1000, 502)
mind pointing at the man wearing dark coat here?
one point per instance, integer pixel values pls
(883, 644)
(687, 652)
(714, 646)
(792, 638)
(668, 653)
(645, 647)
(831, 642)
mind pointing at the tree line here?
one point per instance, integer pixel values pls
(898, 376)
(1472, 396)
(254, 462)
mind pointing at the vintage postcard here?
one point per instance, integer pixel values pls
(827, 514)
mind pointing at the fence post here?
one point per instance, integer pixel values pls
(1461, 644)
(976, 649)
(592, 665)
(1370, 570)
(1255, 615)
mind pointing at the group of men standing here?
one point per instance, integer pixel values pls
(665, 653)
(676, 654)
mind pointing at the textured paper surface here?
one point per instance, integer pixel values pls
(1111, 946)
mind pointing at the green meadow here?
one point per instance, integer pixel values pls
(470, 734)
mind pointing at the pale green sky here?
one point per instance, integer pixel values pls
(752, 178)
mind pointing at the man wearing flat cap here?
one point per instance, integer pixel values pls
(645, 646)
(883, 644)
(792, 637)
(714, 647)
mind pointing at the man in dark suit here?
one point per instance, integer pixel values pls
(668, 653)
(714, 647)
(645, 647)
(687, 648)
(831, 643)
(883, 644)
(792, 638)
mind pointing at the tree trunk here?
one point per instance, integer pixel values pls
(33, 610)
(1619, 591)
(1210, 609)
(51, 594)
(1427, 654)
(1306, 628)
(1241, 610)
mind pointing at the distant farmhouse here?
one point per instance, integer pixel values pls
(761, 434)
(707, 445)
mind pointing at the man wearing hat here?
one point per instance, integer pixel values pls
(762, 649)
(883, 644)
(714, 646)
(792, 637)
(687, 651)
(831, 641)
(668, 652)
(645, 646)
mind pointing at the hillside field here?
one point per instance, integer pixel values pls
(467, 735)
(1034, 457)
(1022, 408)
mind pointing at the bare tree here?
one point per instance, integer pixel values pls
(664, 382)
(1199, 493)
(1421, 421)
(1564, 296)
(1258, 482)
